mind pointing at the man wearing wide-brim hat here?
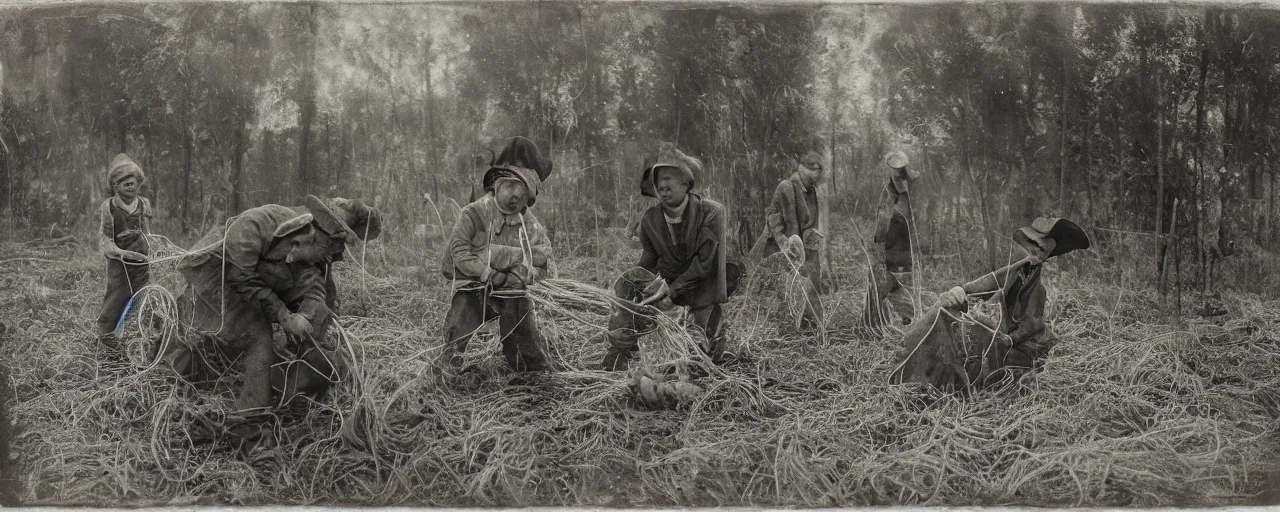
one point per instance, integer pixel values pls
(497, 249)
(270, 266)
(682, 262)
(889, 296)
(1020, 293)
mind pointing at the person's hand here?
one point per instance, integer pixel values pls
(954, 297)
(664, 304)
(795, 246)
(498, 279)
(296, 325)
(515, 281)
(136, 257)
(654, 287)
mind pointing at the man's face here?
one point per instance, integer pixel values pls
(127, 189)
(811, 167)
(512, 195)
(313, 246)
(1041, 250)
(671, 186)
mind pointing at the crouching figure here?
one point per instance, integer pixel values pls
(953, 346)
(682, 262)
(270, 267)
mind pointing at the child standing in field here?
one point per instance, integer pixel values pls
(123, 241)
(498, 248)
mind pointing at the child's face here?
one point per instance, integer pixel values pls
(127, 189)
(512, 195)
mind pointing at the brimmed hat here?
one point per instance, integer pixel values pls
(668, 156)
(1067, 234)
(898, 164)
(122, 168)
(520, 160)
(349, 216)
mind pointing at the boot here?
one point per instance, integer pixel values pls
(615, 360)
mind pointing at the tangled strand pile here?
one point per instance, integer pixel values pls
(1129, 410)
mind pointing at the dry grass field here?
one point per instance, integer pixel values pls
(1135, 407)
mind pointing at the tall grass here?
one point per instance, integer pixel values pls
(1131, 409)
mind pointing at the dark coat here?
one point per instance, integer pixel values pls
(1022, 297)
(894, 231)
(793, 211)
(693, 263)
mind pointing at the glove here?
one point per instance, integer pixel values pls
(296, 325)
(133, 256)
(954, 297)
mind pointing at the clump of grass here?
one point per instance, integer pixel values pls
(1131, 410)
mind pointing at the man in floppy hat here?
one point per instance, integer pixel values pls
(270, 266)
(682, 261)
(791, 221)
(889, 298)
(1019, 291)
(498, 248)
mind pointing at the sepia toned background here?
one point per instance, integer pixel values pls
(1135, 121)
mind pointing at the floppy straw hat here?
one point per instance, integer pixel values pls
(668, 156)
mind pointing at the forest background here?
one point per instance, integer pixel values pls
(1119, 117)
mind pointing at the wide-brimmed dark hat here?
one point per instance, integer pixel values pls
(1067, 235)
(668, 156)
(519, 159)
(351, 217)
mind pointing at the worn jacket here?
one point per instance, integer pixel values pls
(250, 261)
(692, 260)
(793, 211)
(485, 241)
(1022, 296)
(893, 230)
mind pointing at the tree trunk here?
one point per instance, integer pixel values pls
(428, 107)
(1062, 146)
(1271, 210)
(1200, 140)
(122, 125)
(237, 172)
(1160, 177)
(187, 149)
(307, 94)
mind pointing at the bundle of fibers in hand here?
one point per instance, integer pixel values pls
(950, 350)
